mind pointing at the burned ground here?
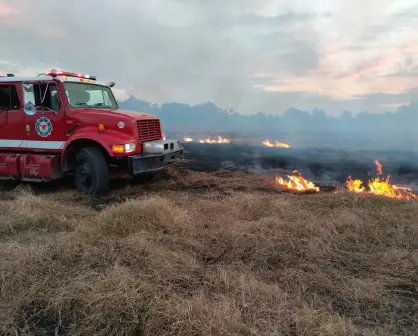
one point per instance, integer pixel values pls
(198, 253)
(320, 165)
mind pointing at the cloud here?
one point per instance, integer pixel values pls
(258, 20)
(268, 55)
(120, 94)
(8, 15)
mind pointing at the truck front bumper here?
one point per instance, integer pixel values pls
(150, 163)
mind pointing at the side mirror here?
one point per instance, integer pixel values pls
(29, 108)
(28, 98)
(112, 84)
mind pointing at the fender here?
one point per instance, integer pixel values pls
(105, 139)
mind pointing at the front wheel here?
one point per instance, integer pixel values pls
(91, 175)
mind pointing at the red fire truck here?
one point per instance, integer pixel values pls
(62, 123)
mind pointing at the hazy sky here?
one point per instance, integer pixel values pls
(264, 55)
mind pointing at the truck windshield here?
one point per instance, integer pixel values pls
(82, 95)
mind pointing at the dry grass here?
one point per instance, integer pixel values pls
(207, 254)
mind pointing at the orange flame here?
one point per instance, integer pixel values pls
(381, 186)
(267, 143)
(378, 167)
(355, 185)
(213, 141)
(208, 140)
(296, 182)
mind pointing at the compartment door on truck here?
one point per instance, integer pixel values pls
(44, 116)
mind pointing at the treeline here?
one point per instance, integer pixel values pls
(183, 117)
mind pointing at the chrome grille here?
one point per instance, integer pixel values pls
(148, 129)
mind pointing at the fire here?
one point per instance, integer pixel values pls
(208, 140)
(213, 141)
(355, 185)
(378, 167)
(267, 143)
(297, 182)
(381, 186)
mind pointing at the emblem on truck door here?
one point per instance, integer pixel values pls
(43, 127)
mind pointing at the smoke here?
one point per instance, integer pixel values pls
(367, 131)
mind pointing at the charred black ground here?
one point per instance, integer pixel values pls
(327, 168)
(321, 165)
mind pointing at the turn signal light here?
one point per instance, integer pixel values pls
(126, 148)
(101, 128)
(118, 148)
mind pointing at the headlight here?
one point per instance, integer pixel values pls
(130, 147)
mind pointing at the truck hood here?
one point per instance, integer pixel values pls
(113, 113)
(134, 114)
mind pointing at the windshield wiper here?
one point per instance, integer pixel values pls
(46, 108)
(102, 105)
(95, 105)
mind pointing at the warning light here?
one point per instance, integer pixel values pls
(55, 73)
(101, 128)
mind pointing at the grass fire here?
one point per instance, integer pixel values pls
(381, 186)
(267, 143)
(217, 140)
(296, 182)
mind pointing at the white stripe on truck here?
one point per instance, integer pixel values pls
(37, 144)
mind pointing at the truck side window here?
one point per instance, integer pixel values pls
(50, 95)
(9, 100)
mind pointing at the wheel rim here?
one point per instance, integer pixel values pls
(84, 175)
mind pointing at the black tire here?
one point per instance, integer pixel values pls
(91, 173)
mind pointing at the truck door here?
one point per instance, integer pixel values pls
(44, 116)
(12, 133)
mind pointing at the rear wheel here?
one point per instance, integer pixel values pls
(91, 174)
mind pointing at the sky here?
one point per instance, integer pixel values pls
(250, 55)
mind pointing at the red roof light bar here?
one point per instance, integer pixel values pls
(54, 73)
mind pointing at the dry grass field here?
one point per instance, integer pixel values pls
(207, 254)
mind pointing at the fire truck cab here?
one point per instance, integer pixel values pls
(62, 123)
